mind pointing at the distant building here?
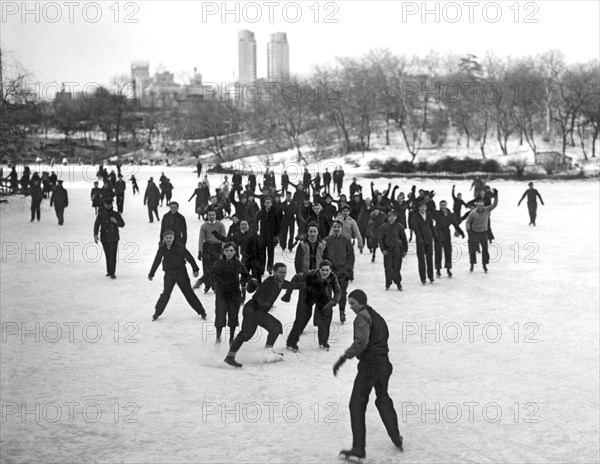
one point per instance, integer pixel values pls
(278, 57)
(140, 77)
(246, 57)
(553, 161)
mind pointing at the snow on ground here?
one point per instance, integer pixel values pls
(87, 377)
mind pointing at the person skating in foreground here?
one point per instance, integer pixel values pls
(173, 256)
(256, 313)
(374, 370)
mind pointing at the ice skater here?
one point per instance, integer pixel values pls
(323, 292)
(173, 256)
(107, 223)
(532, 196)
(374, 370)
(256, 313)
(60, 200)
(225, 276)
(394, 246)
(477, 229)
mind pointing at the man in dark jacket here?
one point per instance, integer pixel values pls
(327, 181)
(36, 199)
(60, 200)
(151, 199)
(532, 196)
(323, 222)
(108, 223)
(174, 220)
(341, 254)
(442, 238)
(394, 246)
(173, 256)
(256, 313)
(423, 228)
(289, 209)
(322, 291)
(120, 187)
(370, 346)
(269, 225)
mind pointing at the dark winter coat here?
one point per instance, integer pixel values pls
(371, 335)
(269, 223)
(59, 198)
(443, 222)
(173, 259)
(109, 231)
(36, 193)
(175, 222)
(341, 254)
(152, 195)
(423, 228)
(392, 237)
(226, 274)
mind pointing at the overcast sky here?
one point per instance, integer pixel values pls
(92, 42)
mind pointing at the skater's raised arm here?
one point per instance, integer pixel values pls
(386, 193)
(393, 197)
(495, 203)
(193, 195)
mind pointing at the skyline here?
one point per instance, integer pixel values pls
(73, 48)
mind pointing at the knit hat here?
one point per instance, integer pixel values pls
(359, 296)
(168, 232)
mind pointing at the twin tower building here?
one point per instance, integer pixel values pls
(278, 57)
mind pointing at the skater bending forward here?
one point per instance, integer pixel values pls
(256, 313)
(374, 370)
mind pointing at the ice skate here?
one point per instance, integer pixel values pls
(485, 269)
(324, 346)
(230, 359)
(271, 356)
(398, 442)
(293, 348)
(342, 316)
(449, 273)
(353, 455)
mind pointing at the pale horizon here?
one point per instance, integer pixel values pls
(176, 38)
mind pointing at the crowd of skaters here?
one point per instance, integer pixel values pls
(321, 231)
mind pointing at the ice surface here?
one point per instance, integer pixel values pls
(166, 396)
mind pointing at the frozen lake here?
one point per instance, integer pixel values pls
(500, 367)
